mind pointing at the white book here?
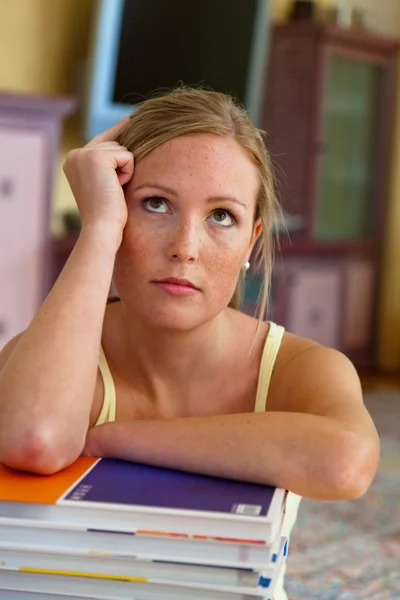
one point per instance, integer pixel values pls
(107, 587)
(25, 534)
(15, 595)
(132, 568)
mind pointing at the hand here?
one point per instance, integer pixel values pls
(96, 174)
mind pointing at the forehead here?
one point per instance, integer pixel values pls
(213, 162)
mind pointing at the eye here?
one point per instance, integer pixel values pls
(224, 217)
(155, 203)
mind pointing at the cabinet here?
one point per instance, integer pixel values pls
(29, 129)
(313, 301)
(328, 111)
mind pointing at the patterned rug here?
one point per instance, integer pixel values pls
(351, 550)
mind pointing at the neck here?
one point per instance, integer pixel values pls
(168, 365)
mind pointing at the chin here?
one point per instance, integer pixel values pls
(165, 312)
(178, 319)
(175, 315)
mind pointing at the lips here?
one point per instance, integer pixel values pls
(175, 281)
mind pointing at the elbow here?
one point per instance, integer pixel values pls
(353, 467)
(40, 451)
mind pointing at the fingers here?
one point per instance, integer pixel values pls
(106, 146)
(124, 166)
(110, 134)
(121, 159)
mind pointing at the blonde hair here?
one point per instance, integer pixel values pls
(187, 110)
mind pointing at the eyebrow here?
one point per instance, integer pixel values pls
(172, 192)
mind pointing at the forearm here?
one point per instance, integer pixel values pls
(47, 384)
(310, 455)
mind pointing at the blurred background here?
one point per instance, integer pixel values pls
(321, 78)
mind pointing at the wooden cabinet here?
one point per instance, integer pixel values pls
(29, 130)
(330, 301)
(358, 305)
(328, 112)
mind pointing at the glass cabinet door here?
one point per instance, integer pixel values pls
(350, 123)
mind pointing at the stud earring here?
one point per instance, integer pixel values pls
(246, 266)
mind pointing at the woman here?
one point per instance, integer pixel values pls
(171, 212)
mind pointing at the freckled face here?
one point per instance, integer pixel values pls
(191, 206)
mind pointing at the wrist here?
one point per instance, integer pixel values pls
(104, 234)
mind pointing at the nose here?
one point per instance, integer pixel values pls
(184, 245)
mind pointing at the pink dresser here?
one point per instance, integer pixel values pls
(29, 136)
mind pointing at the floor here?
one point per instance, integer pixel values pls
(351, 550)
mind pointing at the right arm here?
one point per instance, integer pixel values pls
(48, 373)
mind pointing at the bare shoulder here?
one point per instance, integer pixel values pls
(308, 375)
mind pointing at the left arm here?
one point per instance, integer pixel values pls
(322, 445)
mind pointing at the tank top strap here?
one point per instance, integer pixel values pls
(108, 409)
(270, 352)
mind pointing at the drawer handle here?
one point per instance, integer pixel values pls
(315, 316)
(3, 327)
(6, 188)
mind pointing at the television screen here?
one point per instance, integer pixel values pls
(142, 46)
(163, 42)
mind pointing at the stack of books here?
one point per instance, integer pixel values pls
(113, 530)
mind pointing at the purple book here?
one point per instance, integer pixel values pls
(125, 496)
(114, 481)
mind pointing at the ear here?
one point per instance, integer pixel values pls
(257, 229)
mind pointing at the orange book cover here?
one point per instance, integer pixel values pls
(17, 486)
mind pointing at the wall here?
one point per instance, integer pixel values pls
(389, 319)
(42, 44)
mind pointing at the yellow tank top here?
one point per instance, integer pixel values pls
(268, 358)
(270, 352)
